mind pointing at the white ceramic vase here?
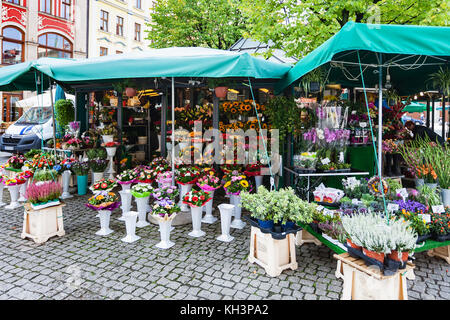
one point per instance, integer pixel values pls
(125, 198)
(126, 186)
(237, 222)
(258, 181)
(196, 213)
(164, 230)
(66, 182)
(142, 208)
(2, 187)
(22, 190)
(185, 188)
(130, 218)
(14, 194)
(105, 216)
(226, 211)
(209, 218)
(111, 151)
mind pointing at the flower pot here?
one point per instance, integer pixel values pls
(379, 256)
(289, 225)
(125, 199)
(130, 92)
(14, 193)
(22, 190)
(164, 230)
(82, 182)
(432, 185)
(394, 256)
(265, 224)
(237, 222)
(66, 183)
(142, 208)
(96, 176)
(111, 151)
(445, 194)
(258, 181)
(277, 228)
(2, 187)
(130, 218)
(185, 188)
(419, 182)
(209, 218)
(105, 216)
(221, 92)
(108, 138)
(196, 213)
(226, 211)
(352, 245)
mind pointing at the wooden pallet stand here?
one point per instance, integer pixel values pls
(304, 236)
(362, 282)
(441, 252)
(40, 225)
(271, 254)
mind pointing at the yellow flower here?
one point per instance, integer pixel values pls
(227, 184)
(244, 183)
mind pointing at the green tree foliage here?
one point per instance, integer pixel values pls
(299, 27)
(195, 23)
(64, 113)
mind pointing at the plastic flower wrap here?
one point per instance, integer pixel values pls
(209, 182)
(16, 161)
(103, 201)
(187, 175)
(169, 192)
(141, 190)
(196, 198)
(103, 185)
(17, 180)
(127, 177)
(166, 209)
(26, 174)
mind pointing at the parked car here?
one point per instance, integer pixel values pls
(416, 121)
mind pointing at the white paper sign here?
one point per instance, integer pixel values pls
(392, 207)
(320, 208)
(325, 161)
(426, 217)
(328, 212)
(403, 193)
(438, 209)
(363, 124)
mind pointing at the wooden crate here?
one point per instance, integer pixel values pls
(304, 236)
(441, 252)
(362, 282)
(40, 225)
(271, 254)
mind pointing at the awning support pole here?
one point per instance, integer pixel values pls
(380, 117)
(173, 131)
(53, 117)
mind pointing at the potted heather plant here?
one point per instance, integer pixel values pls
(196, 200)
(43, 195)
(81, 170)
(164, 211)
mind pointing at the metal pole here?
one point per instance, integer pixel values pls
(173, 131)
(428, 112)
(380, 116)
(432, 113)
(443, 117)
(53, 118)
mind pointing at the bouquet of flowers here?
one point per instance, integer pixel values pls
(127, 177)
(209, 182)
(236, 184)
(146, 175)
(165, 208)
(67, 163)
(98, 165)
(74, 128)
(229, 167)
(196, 198)
(26, 174)
(43, 160)
(17, 180)
(80, 168)
(159, 161)
(427, 173)
(103, 185)
(169, 192)
(187, 175)
(16, 161)
(103, 201)
(111, 144)
(74, 143)
(141, 190)
(165, 177)
(253, 169)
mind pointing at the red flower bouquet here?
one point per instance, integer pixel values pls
(253, 169)
(187, 175)
(196, 198)
(103, 185)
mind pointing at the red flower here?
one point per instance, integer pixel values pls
(202, 198)
(104, 185)
(195, 199)
(186, 198)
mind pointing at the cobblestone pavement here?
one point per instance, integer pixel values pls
(81, 265)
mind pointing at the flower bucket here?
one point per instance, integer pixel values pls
(196, 213)
(105, 216)
(22, 190)
(108, 138)
(265, 224)
(352, 245)
(82, 182)
(445, 194)
(125, 186)
(209, 218)
(258, 181)
(185, 188)
(65, 184)
(165, 226)
(374, 255)
(130, 218)
(419, 182)
(221, 92)
(237, 222)
(142, 207)
(226, 211)
(14, 193)
(2, 187)
(125, 199)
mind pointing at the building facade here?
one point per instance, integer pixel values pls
(117, 26)
(31, 29)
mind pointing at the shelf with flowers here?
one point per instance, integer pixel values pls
(164, 211)
(209, 183)
(104, 203)
(196, 199)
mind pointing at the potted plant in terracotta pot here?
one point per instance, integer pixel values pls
(220, 87)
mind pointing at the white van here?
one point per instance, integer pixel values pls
(26, 133)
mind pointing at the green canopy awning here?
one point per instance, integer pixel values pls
(415, 107)
(410, 55)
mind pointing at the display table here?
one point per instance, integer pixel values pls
(367, 283)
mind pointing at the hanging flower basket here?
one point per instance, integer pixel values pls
(221, 92)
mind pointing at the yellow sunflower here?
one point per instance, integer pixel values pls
(227, 184)
(244, 183)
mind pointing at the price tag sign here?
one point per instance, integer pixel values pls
(438, 209)
(426, 217)
(328, 212)
(403, 193)
(320, 208)
(392, 207)
(363, 124)
(325, 161)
